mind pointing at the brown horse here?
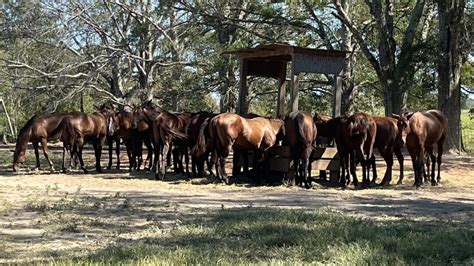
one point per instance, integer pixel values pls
(40, 128)
(229, 130)
(143, 117)
(192, 130)
(387, 143)
(168, 128)
(300, 136)
(421, 131)
(123, 121)
(78, 127)
(354, 136)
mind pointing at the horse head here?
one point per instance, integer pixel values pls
(18, 158)
(278, 127)
(403, 126)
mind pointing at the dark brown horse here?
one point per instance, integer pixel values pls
(229, 130)
(422, 131)
(387, 143)
(359, 134)
(123, 121)
(39, 129)
(168, 128)
(300, 136)
(143, 117)
(192, 130)
(78, 127)
(354, 136)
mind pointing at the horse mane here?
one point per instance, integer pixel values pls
(25, 131)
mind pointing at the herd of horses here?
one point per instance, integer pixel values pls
(210, 137)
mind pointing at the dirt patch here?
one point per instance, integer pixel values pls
(46, 215)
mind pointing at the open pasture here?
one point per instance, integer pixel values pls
(119, 216)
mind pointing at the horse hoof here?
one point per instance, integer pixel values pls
(85, 171)
(434, 183)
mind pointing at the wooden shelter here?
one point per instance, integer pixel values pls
(271, 61)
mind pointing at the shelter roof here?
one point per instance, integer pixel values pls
(283, 52)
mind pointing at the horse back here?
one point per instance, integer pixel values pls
(428, 126)
(387, 131)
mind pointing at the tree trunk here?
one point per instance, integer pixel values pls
(450, 59)
(347, 77)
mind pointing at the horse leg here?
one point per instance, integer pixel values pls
(156, 162)
(374, 169)
(438, 158)
(164, 159)
(388, 157)
(117, 151)
(36, 148)
(433, 166)
(44, 145)
(64, 158)
(342, 160)
(186, 160)
(97, 152)
(110, 143)
(400, 159)
(353, 168)
(78, 152)
(306, 168)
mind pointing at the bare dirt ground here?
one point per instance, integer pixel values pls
(50, 215)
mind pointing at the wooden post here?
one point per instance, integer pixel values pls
(295, 77)
(281, 91)
(337, 95)
(242, 107)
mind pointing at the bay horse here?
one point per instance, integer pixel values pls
(354, 136)
(331, 128)
(387, 143)
(195, 125)
(78, 127)
(39, 129)
(143, 117)
(168, 128)
(228, 130)
(123, 122)
(421, 131)
(300, 136)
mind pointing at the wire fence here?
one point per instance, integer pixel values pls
(467, 130)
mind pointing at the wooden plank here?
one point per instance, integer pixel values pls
(242, 107)
(294, 87)
(281, 86)
(328, 153)
(325, 164)
(317, 64)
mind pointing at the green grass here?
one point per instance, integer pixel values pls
(467, 127)
(277, 236)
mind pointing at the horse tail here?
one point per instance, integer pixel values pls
(176, 134)
(58, 131)
(359, 126)
(201, 144)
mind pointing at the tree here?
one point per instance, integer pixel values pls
(392, 61)
(453, 49)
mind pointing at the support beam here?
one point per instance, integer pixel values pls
(337, 96)
(242, 107)
(281, 86)
(295, 78)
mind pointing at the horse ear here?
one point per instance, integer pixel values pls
(408, 115)
(96, 107)
(395, 116)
